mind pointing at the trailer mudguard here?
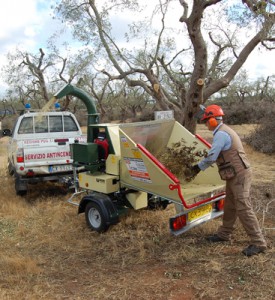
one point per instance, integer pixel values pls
(105, 203)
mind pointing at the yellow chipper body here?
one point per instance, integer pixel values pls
(123, 168)
(117, 169)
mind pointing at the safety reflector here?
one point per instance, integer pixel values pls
(219, 205)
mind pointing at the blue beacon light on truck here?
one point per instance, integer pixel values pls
(27, 106)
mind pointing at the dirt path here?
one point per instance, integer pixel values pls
(47, 252)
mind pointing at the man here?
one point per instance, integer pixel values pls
(228, 152)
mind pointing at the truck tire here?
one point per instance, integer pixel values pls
(20, 187)
(95, 218)
(10, 169)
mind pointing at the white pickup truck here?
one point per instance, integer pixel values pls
(39, 148)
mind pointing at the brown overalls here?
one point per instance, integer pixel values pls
(237, 201)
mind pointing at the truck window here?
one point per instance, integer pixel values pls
(55, 124)
(26, 126)
(41, 124)
(69, 124)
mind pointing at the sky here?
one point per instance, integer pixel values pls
(28, 25)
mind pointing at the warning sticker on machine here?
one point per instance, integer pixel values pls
(137, 169)
(124, 142)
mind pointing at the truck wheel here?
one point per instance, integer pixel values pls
(20, 187)
(10, 169)
(21, 193)
(95, 218)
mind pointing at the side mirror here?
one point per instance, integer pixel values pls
(6, 132)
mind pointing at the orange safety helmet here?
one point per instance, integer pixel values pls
(212, 111)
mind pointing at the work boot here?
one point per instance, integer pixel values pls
(253, 250)
(215, 239)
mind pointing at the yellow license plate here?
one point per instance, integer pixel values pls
(199, 212)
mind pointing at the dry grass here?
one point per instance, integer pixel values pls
(47, 252)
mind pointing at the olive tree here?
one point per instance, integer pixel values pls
(25, 75)
(36, 77)
(176, 78)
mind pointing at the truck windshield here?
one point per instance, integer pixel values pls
(45, 124)
(56, 124)
(26, 126)
(69, 124)
(41, 124)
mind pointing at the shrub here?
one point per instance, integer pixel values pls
(263, 138)
(9, 121)
(245, 112)
(254, 112)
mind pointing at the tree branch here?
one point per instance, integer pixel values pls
(159, 38)
(225, 80)
(64, 61)
(211, 2)
(266, 46)
(102, 37)
(216, 59)
(184, 4)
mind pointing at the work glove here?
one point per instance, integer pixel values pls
(191, 172)
(195, 170)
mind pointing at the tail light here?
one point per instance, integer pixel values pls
(30, 173)
(20, 155)
(219, 205)
(178, 222)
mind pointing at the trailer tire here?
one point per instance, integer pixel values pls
(95, 217)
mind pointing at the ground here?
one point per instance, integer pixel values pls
(47, 251)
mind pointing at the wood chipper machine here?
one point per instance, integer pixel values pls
(117, 169)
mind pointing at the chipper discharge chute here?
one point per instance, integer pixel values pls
(121, 167)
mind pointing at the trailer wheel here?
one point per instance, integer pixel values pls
(95, 218)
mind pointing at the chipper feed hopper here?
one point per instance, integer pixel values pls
(118, 169)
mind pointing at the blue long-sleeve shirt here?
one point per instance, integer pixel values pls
(221, 142)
